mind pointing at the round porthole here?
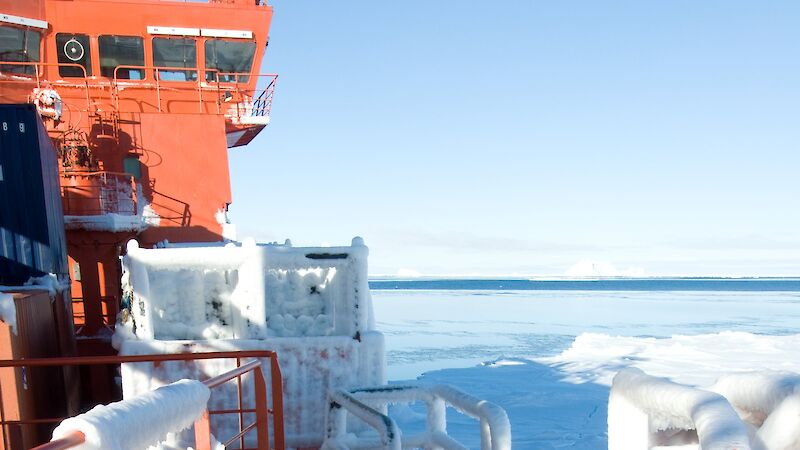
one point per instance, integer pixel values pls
(74, 50)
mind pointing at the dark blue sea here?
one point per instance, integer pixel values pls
(607, 284)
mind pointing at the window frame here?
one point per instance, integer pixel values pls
(87, 57)
(209, 71)
(22, 69)
(142, 72)
(187, 72)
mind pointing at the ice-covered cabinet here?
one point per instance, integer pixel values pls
(310, 305)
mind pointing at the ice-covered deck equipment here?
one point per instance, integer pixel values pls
(310, 305)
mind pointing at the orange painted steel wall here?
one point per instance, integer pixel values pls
(32, 9)
(182, 149)
(191, 172)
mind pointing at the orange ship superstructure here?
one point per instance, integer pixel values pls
(142, 99)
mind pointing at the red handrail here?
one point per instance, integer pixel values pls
(72, 439)
(202, 425)
(38, 65)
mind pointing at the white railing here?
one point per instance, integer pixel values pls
(495, 428)
(342, 402)
(170, 408)
(646, 411)
(768, 401)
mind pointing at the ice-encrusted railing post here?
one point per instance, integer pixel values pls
(494, 424)
(769, 401)
(641, 405)
(340, 403)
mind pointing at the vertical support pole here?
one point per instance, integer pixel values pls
(4, 428)
(337, 426)
(437, 417)
(241, 403)
(134, 196)
(262, 412)
(628, 426)
(199, 93)
(158, 88)
(277, 401)
(202, 432)
(486, 435)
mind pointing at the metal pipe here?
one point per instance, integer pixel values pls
(228, 376)
(100, 360)
(71, 439)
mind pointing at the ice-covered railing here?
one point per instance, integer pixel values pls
(155, 419)
(249, 291)
(759, 411)
(646, 411)
(495, 428)
(138, 422)
(769, 402)
(337, 438)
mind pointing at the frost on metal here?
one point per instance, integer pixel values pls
(249, 292)
(367, 403)
(759, 411)
(769, 403)
(309, 305)
(140, 422)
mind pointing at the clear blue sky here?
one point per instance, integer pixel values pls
(519, 137)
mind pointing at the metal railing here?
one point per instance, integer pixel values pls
(641, 407)
(98, 193)
(495, 428)
(82, 82)
(108, 312)
(268, 402)
(250, 103)
(237, 99)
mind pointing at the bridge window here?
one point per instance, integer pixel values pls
(125, 51)
(174, 53)
(225, 58)
(19, 45)
(73, 49)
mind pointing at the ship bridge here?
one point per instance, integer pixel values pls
(103, 59)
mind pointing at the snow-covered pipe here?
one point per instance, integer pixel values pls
(641, 405)
(494, 424)
(341, 403)
(139, 422)
(769, 401)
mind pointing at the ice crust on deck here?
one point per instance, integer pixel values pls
(140, 422)
(310, 305)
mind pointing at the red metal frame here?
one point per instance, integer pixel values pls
(39, 77)
(261, 98)
(101, 190)
(202, 426)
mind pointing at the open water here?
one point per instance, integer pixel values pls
(438, 324)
